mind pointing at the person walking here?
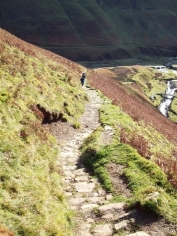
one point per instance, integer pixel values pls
(82, 79)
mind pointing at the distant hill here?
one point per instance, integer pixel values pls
(97, 29)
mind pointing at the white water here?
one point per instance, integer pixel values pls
(168, 97)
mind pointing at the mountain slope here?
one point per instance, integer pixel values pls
(36, 87)
(39, 87)
(95, 30)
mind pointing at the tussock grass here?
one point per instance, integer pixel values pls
(32, 200)
(138, 148)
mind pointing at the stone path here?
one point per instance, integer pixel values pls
(95, 215)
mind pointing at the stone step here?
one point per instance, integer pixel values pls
(140, 233)
(84, 187)
(77, 201)
(103, 230)
(111, 208)
(95, 215)
(82, 178)
(97, 200)
(68, 167)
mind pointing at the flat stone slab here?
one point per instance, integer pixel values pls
(140, 233)
(81, 178)
(68, 173)
(110, 208)
(88, 207)
(80, 172)
(84, 187)
(108, 216)
(121, 225)
(77, 201)
(109, 197)
(68, 154)
(96, 199)
(74, 167)
(84, 229)
(103, 230)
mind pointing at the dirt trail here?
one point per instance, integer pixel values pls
(96, 216)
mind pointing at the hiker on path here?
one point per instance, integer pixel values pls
(82, 79)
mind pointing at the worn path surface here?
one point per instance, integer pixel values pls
(96, 216)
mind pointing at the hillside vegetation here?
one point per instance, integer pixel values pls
(97, 29)
(36, 87)
(148, 83)
(39, 87)
(142, 150)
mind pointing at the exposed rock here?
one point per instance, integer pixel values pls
(84, 229)
(121, 225)
(97, 200)
(81, 179)
(108, 217)
(103, 230)
(109, 197)
(76, 201)
(109, 208)
(80, 172)
(108, 127)
(85, 193)
(88, 207)
(140, 233)
(84, 187)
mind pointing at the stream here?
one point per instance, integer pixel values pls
(168, 97)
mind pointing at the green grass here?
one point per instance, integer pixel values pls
(149, 82)
(150, 186)
(32, 201)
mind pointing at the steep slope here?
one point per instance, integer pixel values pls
(36, 87)
(39, 87)
(95, 30)
(135, 103)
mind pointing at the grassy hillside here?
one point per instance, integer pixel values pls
(142, 149)
(36, 87)
(95, 30)
(148, 83)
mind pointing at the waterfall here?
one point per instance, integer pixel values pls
(168, 97)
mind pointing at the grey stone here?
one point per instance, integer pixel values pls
(94, 180)
(80, 172)
(94, 194)
(68, 194)
(140, 233)
(108, 127)
(81, 179)
(103, 230)
(84, 229)
(109, 197)
(101, 192)
(69, 173)
(109, 208)
(108, 217)
(84, 187)
(90, 220)
(88, 207)
(76, 201)
(121, 225)
(73, 167)
(96, 199)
